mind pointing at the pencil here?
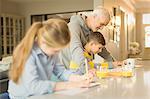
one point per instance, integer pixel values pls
(86, 66)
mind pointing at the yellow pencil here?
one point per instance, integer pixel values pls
(86, 66)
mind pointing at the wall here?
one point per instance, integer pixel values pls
(28, 8)
(127, 9)
(53, 6)
(0, 5)
(10, 7)
(0, 35)
(140, 32)
(98, 3)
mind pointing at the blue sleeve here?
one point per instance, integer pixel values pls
(33, 83)
(60, 71)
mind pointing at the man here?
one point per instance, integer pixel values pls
(80, 28)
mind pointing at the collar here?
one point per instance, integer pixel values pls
(37, 49)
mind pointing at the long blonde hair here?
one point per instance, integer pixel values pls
(56, 34)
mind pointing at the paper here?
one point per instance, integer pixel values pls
(76, 91)
(94, 84)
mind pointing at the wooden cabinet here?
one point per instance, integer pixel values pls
(11, 33)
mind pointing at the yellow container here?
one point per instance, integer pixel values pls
(104, 65)
(115, 74)
(127, 73)
(101, 74)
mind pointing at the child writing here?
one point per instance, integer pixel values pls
(35, 59)
(94, 45)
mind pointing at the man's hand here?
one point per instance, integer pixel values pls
(117, 63)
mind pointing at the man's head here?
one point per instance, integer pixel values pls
(95, 42)
(99, 18)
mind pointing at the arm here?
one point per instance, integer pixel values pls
(36, 85)
(74, 81)
(76, 47)
(106, 55)
(33, 83)
(70, 85)
(68, 75)
(60, 70)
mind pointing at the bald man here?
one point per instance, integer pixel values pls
(80, 28)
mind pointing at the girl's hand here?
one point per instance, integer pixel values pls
(79, 84)
(76, 78)
(84, 84)
(70, 85)
(93, 72)
(89, 76)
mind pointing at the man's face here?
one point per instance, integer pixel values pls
(99, 22)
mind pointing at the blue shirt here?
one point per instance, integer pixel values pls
(35, 79)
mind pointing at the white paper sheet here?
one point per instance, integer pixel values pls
(76, 91)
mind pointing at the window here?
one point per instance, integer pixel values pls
(146, 24)
(146, 18)
(147, 36)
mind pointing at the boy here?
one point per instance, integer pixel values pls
(94, 44)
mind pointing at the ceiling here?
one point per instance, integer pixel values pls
(49, 0)
(141, 3)
(142, 0)
(23, 1)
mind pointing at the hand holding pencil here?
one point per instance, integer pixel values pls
(88, 75)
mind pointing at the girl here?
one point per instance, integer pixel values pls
(35, 59)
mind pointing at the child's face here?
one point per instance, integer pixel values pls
(96, 48)
(49, 50)
(52, 51)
